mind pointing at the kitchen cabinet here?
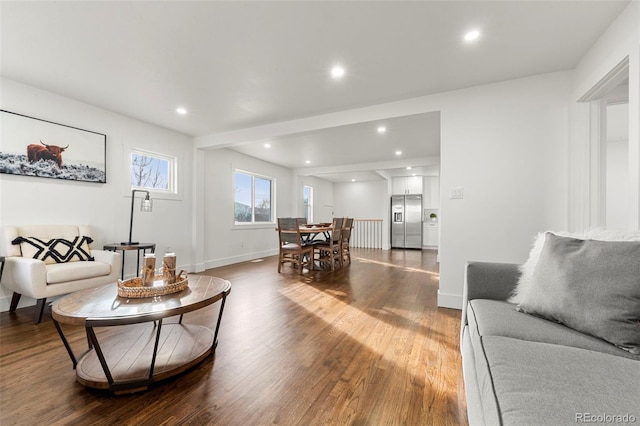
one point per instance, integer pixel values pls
(407, 185)
(431, 234)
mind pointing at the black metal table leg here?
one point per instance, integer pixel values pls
(66, 344)
(215, 334)
(98, 349)
(155, 350)
(122, 267)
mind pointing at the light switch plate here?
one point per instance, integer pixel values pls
(456, 193)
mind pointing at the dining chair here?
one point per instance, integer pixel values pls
(292, 248)
(346, 239)
(330, 251)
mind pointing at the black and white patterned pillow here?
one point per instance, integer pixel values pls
(56, 250)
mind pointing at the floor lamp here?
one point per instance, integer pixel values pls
(146, 206)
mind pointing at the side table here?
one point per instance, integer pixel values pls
(142, 247)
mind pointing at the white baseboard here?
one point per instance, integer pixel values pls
(198, 267)
(215, 263)
(453, 301)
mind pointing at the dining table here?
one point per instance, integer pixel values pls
(310, 232)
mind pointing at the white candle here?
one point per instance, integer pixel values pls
(169, 268)
(149, 269)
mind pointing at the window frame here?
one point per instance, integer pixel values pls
(308, 207)
(172, 172)
(253, 223)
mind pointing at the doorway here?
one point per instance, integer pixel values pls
(609, 177)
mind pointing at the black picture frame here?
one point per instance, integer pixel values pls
(32, 146)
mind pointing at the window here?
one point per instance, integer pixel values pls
(152, 171)
(307, 201)
(253, 195)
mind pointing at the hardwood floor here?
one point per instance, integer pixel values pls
(365, 345)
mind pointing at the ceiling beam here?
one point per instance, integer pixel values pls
(365, 167)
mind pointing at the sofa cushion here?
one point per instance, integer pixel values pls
(591, 286)
(73, 271)
(500, 318)
(527, 268)
(543, 384)
(55, 250)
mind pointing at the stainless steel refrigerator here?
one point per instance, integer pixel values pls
(406, 221)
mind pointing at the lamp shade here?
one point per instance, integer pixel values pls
(146, 205)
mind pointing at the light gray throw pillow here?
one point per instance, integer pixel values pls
(590, 286)
(527, 268)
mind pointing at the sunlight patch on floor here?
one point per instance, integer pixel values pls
(393, 265)
(311, 299)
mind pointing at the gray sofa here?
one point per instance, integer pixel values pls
(520, 369)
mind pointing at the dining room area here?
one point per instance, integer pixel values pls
(310, 247)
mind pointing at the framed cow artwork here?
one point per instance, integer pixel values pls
(34, 147)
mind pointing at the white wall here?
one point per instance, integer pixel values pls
(365, 200)
(506, 145)
(106, 207)
(362, 200)
(617, 207)
(617, 167)
(323, 198)
(223, 242)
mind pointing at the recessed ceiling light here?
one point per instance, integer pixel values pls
(408, 167)
(337, 72)
(267, 145)
(472, 35)
(382, 129)
(181, 111)
(308, 162)
(353, 180)
(398, 152)
(413, 174)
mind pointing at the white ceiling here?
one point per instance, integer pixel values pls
(358, 148)
(238, 64)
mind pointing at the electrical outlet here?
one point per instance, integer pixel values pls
(456, 193)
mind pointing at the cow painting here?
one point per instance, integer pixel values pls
(45, 152)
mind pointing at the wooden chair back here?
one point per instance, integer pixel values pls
(336, 232)
(289, 231)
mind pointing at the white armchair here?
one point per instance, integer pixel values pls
(41, 279)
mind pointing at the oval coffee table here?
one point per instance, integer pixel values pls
(131, 360)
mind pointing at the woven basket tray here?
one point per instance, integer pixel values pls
(134, 288)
